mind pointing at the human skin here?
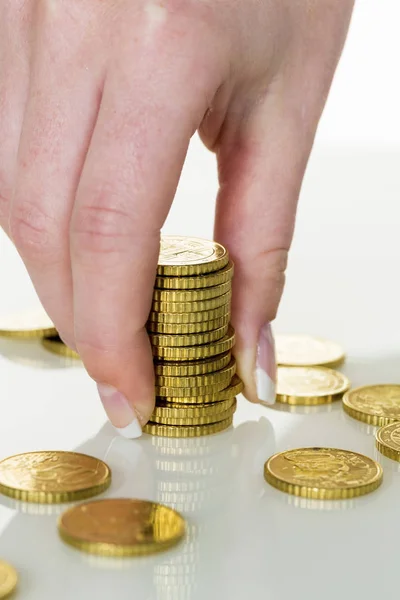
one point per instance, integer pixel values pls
(98, 102)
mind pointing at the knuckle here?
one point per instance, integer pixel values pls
(33, 231)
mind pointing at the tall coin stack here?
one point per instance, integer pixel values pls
(196, 381)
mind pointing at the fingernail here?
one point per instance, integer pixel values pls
(119, 411)
(266, 366)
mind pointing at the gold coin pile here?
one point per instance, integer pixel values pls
(196, 381)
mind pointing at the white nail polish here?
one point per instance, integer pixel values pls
(131, 431)
(266, 389)
(266, 366)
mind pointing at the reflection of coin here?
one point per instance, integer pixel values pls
(388, 441)
(29, 324)
(8, 579)
(186, 431)
(55, 344)
(323, 473)
(196, 352)
(307, 351)
(374, 404)
(310, 385)
(198, 282)
(182, 256)
(52, 477)
(121, 527)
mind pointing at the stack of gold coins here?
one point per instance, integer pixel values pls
(196, 381)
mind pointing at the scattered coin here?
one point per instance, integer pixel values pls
(310, 385)
(307, 351)
(185, 256)
(388, 441)
(8, 579)
(323, 473)
(188, 431)
(374, 404)
(120, 527)
(55, 344)
(197, 283)
(49, 477)
(32, 324)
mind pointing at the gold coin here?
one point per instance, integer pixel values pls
(374, 404)
(323, 473)
(194, 352)
(185, 256)
(307, 351)
(190, 317)
(217, 278)
(121, 527)
(187, 431)
(49, 477)
(223, 375)
(34, 324)
(168, 410)
(187, 328)
(8, 579)
(194, 306)
(388, 441)
(194, 420)
(191, 295)
(310, 385)
(56, 345)
(193, 339)
(187, 369)
(203, 390)
(234, 389)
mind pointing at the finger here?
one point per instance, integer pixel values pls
(59, 118)
(127, 186)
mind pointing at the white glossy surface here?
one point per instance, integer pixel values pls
(246, 540)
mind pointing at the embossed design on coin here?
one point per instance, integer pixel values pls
(323, 473)
(121, 527)
(52, 477)
(181, 255)
(374, 404)
(388, 441)
(310, 385)
(307, 351)
(8, 579)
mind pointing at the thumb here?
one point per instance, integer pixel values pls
(261, 167)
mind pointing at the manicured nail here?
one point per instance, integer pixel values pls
(119, 411)
(266, 366)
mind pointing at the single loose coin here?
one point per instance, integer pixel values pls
(190, 317)
(197, 352)
(209, 280)
(33, 324)
(374, 404)
(8, 579)
(223, 375)
(195, 420)
(185, 256)
(193, 339)
(168, 410)
(121, 527)
(188, 431)
(198, 367)
(310, 385)
(323, 473)
(49, 477)
(193, 306)
(55, 345)
(307, 351)
(187, 328)
(234, 389)
(191, 295)
(388, 441)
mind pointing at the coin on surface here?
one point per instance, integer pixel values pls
(223, 375)
(194, 352)
(8, 579)
(235, 387)
(169, 410)
(182, 256)
(307, 351)
(310, 385)
(388, 441)
(190, 317)
(374, 404)
(55, 344)
(323, 473)
(187, 369)
(193, 339)
(32, 324)
(49, 477)
(121, 527)
(187, 328)
(192, 306)
(223, 276)
(186, 419)
(187, 431)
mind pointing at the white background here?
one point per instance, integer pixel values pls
(245, 538)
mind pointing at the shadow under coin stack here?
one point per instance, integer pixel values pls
(196, 381)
